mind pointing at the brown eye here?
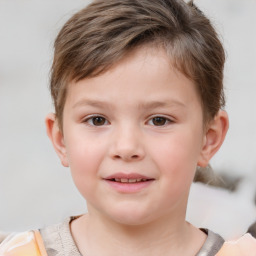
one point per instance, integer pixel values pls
(98, 120)
(159, 121)
(95, 120)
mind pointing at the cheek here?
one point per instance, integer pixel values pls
(84, 159)
(177, 156)
(176, 163)
(84, 151)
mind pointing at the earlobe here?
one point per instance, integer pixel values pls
(56, 136)
(214, 137)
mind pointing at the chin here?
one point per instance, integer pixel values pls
(132, 221)
(132, 217)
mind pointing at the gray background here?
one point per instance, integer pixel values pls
(35, 190)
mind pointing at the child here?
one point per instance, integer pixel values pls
(138, 94)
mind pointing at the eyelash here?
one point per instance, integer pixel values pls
(90, 120)
(161, 118)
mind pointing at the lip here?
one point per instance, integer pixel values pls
(120, 175)
(127, 187)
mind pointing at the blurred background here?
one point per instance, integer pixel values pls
(35, 190)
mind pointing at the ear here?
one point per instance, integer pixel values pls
(56, 136)
(214, 136)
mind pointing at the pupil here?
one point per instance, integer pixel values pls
(98, 121)
(159, 121)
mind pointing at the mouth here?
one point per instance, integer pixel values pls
(125, 180)
(128, 178)
(128, 183)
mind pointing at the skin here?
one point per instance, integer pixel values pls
(141, 117)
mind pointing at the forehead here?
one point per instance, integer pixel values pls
(145, 76)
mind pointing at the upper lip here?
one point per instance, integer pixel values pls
(127, 176)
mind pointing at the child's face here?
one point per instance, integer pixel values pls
(140, 120)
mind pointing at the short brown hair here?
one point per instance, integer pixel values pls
(105, 31)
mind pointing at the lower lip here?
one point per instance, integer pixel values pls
(129, 187)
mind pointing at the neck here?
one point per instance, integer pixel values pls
(162, 237)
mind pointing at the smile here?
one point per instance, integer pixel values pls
(129, 180)
(128, 183)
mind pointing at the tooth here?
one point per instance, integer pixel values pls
(138, 180)
(132, 180)
(144, 179)
(124, 180)
(118, 180)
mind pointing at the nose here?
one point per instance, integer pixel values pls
(127, 144)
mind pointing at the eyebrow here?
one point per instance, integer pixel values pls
(143, 105)
(93, 103)
(159, 104)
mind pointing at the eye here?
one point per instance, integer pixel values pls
(97, 121)
(159, 121)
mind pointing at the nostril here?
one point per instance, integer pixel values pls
(130, 157)
(127, 157)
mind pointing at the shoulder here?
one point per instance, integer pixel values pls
(212, 244)
(58, 239)
(244, 246)
(23, 244)
(52, 240)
